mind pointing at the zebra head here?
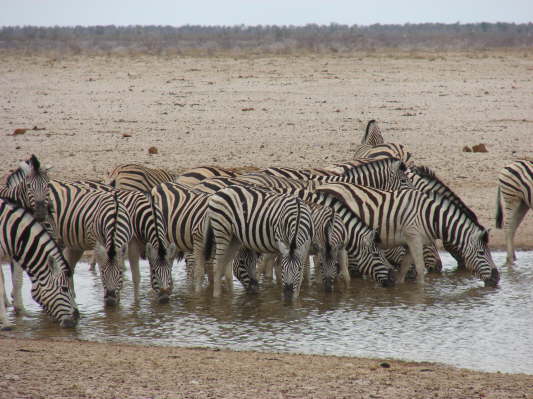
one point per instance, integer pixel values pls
(111, 247)
(293, 242)
(244, 268)
(398, 178)
(477, 257)
(35, 182)
(160, 259)
(328, 257)
(57, 295)
(368, 256)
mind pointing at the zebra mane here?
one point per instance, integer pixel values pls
(293, 242)
(426, 173)
(112, 252)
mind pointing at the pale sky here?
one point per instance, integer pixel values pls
(259, 12)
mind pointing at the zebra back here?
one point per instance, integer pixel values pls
(137, 177)
(372, 134)
(30, 246)
(194, 176)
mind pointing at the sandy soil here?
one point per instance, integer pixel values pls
(58, 369)
(97, 112)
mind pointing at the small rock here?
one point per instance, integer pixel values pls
(479, 148)
(19, 131)
(153, 150)
(385, 365)
(248, 109)
(126, 135)
(467, 149)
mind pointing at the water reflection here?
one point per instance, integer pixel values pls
(451, 319)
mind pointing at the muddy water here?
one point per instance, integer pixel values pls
(452, 319)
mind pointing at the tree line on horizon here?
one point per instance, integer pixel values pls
(337, 38)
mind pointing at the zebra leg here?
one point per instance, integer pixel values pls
(6, 302)
(4, 322)
(516, 215)
(343, 267)
(134, 253)
(92, 263)
(16, 276)
(72, 256)
(416, 252)
(225, 252)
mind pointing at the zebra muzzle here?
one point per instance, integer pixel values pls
(111, 298)
(253, 287)
(328, 284)
(494, 278)
(164, 296)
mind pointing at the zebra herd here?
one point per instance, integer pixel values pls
(375, 216)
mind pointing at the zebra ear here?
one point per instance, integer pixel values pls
(377, 238)
(485, 236)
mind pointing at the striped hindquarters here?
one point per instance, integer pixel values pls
(372, 134)
(194, 176)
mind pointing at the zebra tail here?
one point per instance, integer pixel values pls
(499, 212)
(209, 241)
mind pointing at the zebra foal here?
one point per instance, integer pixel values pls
(261, 221)
(514, 195)
(30, 247)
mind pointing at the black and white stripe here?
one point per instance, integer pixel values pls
(262, 221)
(384, 150)
(30, 247)
(412, 218)
(515, 194)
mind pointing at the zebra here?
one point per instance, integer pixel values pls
(515, 187)
(93, 219)
(265, 222)
(134, 177)
(372, 134)
(30, 246)
(149, 240)
(28, 186)
(412, 218)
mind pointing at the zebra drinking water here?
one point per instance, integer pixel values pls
(412, 218)
(30, 246)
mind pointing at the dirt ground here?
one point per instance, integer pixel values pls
(86, 115)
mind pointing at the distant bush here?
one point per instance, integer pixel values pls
(264, 39)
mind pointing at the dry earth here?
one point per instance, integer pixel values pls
(98, 112)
